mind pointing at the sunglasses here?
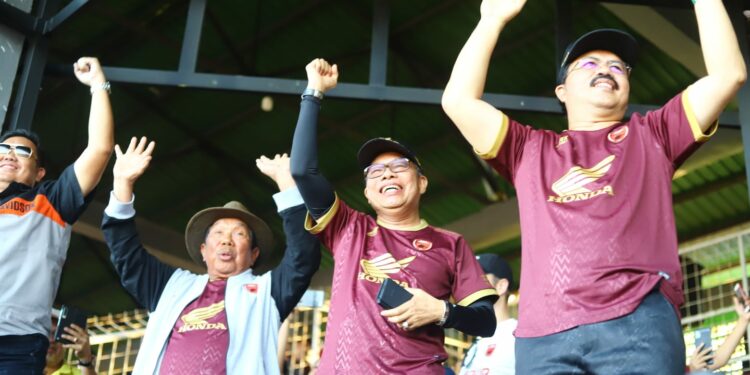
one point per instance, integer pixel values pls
(19, 150)
(614, 66)
(378, 169)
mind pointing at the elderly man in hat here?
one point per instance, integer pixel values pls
(225, 321)
(600, 278)
(436, 266)
(494, 355)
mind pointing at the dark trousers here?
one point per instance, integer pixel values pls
(22, 355)
(646, 341)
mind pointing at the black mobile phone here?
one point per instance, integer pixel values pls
(392, 295)
(739, 292)
(703, 336)
(69, 315)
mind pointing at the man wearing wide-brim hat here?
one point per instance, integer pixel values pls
(226, 320)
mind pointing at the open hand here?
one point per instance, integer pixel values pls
(89, 71)
(321, 75)
(133, 162)
(277, 169)
(501, 10)
(80, 342)
(420, 310)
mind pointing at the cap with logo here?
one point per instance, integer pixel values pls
(376, 146)
(616, 41)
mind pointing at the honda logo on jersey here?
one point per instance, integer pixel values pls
(576, 184)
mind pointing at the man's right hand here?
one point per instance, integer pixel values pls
(130, 165)
(501, 10)
(321, 75)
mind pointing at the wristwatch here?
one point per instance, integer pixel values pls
(89, 364)
(313, 92)
(101, 86)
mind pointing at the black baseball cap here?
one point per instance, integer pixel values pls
(376, 146)
(494, 264)
(616, 41)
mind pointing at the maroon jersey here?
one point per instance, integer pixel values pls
(597, 223)
(200, 338)
(358, 339)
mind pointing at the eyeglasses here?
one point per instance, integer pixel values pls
(614, 66)
(378, 169)
(19, 150)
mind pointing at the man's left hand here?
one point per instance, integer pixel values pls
(420, 310)
(80, 342)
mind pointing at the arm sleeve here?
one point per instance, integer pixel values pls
(301, 260)
(316, 191)
(142, 275)
(477, 319)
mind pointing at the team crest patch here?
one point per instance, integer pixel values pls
(563, 140)
(252, 288)
(617, 135)
(422, 245)
(490, 350)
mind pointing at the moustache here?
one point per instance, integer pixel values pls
(605, 76)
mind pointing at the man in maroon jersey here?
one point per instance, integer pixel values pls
(434, 264)
(600, 277)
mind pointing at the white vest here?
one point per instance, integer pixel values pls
(252, 316)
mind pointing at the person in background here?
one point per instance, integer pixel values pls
(701, 356)
(79, 343)
(495, 355)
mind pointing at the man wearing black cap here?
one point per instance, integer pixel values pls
(495, 355)
(599, 251)
(227, 320)
(435, 265)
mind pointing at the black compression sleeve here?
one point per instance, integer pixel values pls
(477, 319)
(315, 189)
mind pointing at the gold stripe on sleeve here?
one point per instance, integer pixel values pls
(698, 133)
(316, 227)
(492, 153)
(473, 297)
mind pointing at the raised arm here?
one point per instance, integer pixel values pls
(91, 164)
(722, 355)
(301, 260)
(724, 63)
(478, 120)
(140, 273)
(315, 189)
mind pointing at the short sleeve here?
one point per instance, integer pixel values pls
(505, 156)
(330, 227)
(469, 282)
(66, 196)
(676, 128)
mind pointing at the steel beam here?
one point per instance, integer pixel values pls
(19, 20)
(739, 22)
(53, 22)
(29, 83)
(192, 38)
(379, 46)
(348, 90)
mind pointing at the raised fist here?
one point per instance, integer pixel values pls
(321, 75)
